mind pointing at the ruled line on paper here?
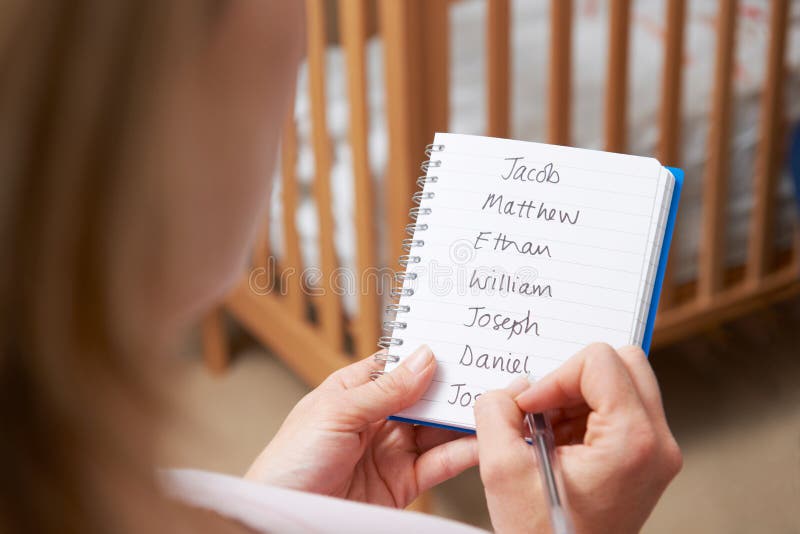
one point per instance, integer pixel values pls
(553, 202)
(548, 239)
(443, 170)
(579, 225)
(500, 349)
(536, 315)
(594, 306)
(539, 258)
(539, 160)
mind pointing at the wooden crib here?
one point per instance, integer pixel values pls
(310, 331)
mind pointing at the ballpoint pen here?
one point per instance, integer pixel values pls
(543, 441)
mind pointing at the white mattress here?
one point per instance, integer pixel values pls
(530, 37)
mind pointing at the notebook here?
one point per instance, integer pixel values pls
(519, 255)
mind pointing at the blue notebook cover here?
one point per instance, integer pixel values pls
(651, 316)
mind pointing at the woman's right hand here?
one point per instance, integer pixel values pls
(616, 451)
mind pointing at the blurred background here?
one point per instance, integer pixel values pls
(708, 86)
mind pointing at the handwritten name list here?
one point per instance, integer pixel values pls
(525, 253)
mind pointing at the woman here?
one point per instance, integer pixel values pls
(134, 143)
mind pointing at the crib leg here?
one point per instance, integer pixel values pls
(215, 342)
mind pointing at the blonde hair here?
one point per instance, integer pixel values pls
(76, 394)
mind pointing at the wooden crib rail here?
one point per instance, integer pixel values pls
(760, 254)
(394, 19)
(434, 87)
(559, 94)
(498, 59)
(672, 84)
(328, 302)
(291, 283)
(314, 335)
(721, 292)
(619, 19)
(715, 186)
(670, 115)
(353, 28)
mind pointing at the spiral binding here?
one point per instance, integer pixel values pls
(419, 196)
(408, 244)
(387, 342)
(415, 227)
(407, 259)
(389, 326)
(414, 213)
(422, 180)
(430, 164)
(430, 149)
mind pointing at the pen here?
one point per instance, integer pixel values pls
(543, 441)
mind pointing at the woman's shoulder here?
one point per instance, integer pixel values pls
(271, 509)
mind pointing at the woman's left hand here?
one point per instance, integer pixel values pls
(337, 441)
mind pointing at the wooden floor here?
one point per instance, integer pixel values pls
(732, 398)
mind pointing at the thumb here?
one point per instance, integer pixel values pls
(394, 391)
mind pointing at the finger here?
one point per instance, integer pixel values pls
(355, 374)
(596, 375)
(445, 461)
(644, 379)
(498, 418)
(507, 463)
(428, 437)
(501, 445)
(392, 392)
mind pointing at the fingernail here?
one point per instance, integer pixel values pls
(418, 360)
(517, 386)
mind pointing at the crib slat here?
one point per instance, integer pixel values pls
(715, 186)
(428, 85)
(402, 169)
(671, 84)
(435, 86)
(418, 95)
(353, 26)
(670, 113)
(560, 95)
(292, 267)
(330, 312)
(498, 58)
(617, 75)
(762, 227)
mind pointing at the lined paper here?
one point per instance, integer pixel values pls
(531, 252)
